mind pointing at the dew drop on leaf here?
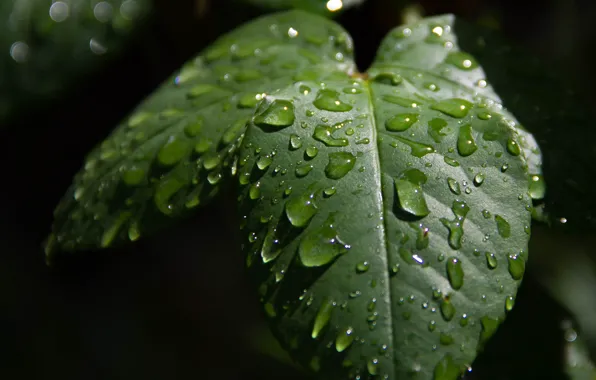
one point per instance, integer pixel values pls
(277, 114)
(303, 170)
(312, 151)
(301, 209)
(323, 134)
(416, 149)
(340, 164)
(454, 107)
(328, 100)
(295, 142)
(461, 60)
(322, 318)
(453, 186)
(321, 246)
(491, 260)
(513, 147)
(503, 226)
(173, 151)
(344, 339)
(456, 232)
(455, 273)
(447, 310)
(411, 198)
(401, 122)
(537, 187)
(517, 266)
(446, 369)
(466, 145)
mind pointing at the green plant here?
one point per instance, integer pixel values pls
(386, 215)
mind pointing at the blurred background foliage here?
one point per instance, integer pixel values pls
(175, 305)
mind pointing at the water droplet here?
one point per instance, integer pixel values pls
(491, 260)
(363, 141)
(454, 186)
(328, 100)
(203, 145)
(389, 78)
(432, 325)
(312, 151)
(446, 339)
(517, 266)
(173, 151)
(446, 369)
(466, 145)
(134, 232)
(270, 249)
(464, 320)
(486, 214)
(411, 198)
(371, 365)
(340, 164)
(321, 246)
(362, 267)
(249, 100)
(324, 133)
(165, 189)
(435, 126)
(344, 339)
(255, 191)
(489, 327)
(200, 90)
(301, 209)
(461, 60)
(303, 170)
(447, 309)
(450, 161)
(478, 179)
(537, 187)
(513, 147)
(352, 90)
(456, 232)
(509, 303)
(329, 191)
(295, 142)
(113, 230)
(454, 107)
(503, 226)
(401, 122)
(404, 102)
(411, 258)
(416, 149)
(322, 318)
(455, 273)
(276, 114)
(133, 175)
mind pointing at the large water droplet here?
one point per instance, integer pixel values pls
(277, 114)
(461, 60)
(340, 164)
(447, 309)
(173, 151)
(491, 260)
(517, 266)
(324, 133)
(321, 246)
(513, 147)
(454, 107)
(453, 186)
(503, 226)
(435, 127)
(537, 187)
(295, 142)
(466, 145)
(371, 366)
(401, 122)
(301, 209)
(455, 273)
(416, 149)
(456, 231)
(328, 100)
(446, 369)
(270, 249)
(411, 198)
(344, 339)
(322, 318)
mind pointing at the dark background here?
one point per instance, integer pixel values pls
(176, 305)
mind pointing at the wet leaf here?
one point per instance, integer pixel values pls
(325, 7)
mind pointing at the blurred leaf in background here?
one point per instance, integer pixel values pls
(328, 7)
(45, 45)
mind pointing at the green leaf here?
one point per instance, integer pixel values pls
(316, 6)
(47, 44)
(177, 148)
(388, 230)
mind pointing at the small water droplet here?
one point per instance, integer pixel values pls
(454, 186)
(344, 339)
(503, 226)
(489, 327)
(461, 60)
(517, 266)
(312, 151)
(456, 232)
(450, 161)
(509, 303)
(371, 365)
(491, 260)
(513, 147)
(264, 162)
(322, 318)
(295, 142)
(447, 309)
(455, 273)
(303, 170)
(478, 179)
(362, 266)
(537, 187)
(446, 369)
(173, 151)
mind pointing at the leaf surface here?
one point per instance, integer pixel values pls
(177, 148)
(45, 44)
(387, 219)
(327, 7)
